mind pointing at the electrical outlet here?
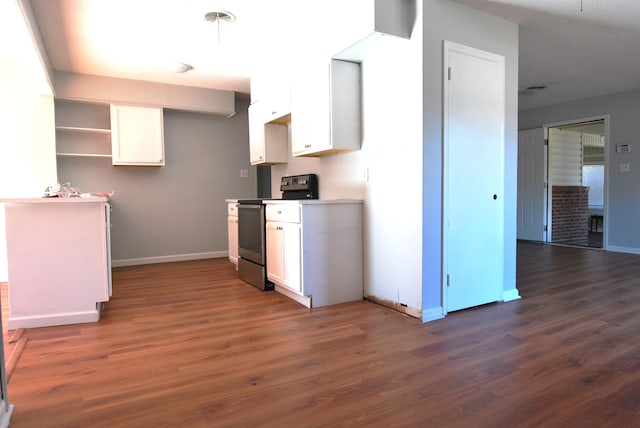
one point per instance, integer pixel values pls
(244, 173)
(624, 167)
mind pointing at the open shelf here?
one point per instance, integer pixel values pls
(84, 155)
(83, 129)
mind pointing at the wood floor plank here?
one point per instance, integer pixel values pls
(189, 344)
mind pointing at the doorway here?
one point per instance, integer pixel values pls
(576, 183)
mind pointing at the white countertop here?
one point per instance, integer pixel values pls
(313, 201)
(92, 199)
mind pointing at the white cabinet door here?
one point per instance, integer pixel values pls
(326, 109)
(268, 142)
(275, 264)
(292, 256)
(273, 91)
(256, 134)
(283, 255)
(137, 135)
(301, 114)
(232, 224)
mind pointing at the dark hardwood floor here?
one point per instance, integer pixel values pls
(188, 344)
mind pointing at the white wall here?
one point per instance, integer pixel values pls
(391, 155)
(27, 141)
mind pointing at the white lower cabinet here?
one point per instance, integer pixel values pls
(314, 250)
(283, 254)
(232, 227)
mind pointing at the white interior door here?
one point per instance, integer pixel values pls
(531, 185)
(474, 115)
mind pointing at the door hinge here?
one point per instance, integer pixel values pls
(449, 73)
(448, 280)
(545, 228)
(546, 142)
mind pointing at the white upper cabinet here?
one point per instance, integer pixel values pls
(273, 92)
(137, 135)
(269, 115)
(326, 109)
(268, 142)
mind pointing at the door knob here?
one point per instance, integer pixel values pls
(495, 196)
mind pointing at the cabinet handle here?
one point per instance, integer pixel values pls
(279, 212)
(307, 146)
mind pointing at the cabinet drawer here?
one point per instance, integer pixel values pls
(232, 209)
(289, 213)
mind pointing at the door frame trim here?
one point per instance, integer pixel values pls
(545, 126)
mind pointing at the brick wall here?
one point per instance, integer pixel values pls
(570, 215)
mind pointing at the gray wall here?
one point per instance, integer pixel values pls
(623, 233)
(177, 209)
(448, 20)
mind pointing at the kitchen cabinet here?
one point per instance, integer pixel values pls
(273, 92)
(232, 228)
(314, 250)
(326, 109)
(268, 142)
(283, 254)
(137, 135)
(59, 263)
(83, 129)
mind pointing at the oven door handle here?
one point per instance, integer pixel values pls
(252, 207)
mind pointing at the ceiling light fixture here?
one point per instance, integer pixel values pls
(219, 15)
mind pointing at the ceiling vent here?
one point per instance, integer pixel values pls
(532, 89)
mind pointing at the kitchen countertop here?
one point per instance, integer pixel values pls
(313, 201)
(93, 199)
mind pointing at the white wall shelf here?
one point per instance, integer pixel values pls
(83, 130)
(84, 155)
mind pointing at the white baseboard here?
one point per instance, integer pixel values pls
(168, 259)
(510, 295)
(303, 300)
(629, 250)
(432, 314)
(5, 413)
(49, 320)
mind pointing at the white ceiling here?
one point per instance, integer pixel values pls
(575, 53)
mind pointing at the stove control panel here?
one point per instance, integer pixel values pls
(299, 186)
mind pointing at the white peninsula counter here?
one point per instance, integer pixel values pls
(59, 262)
